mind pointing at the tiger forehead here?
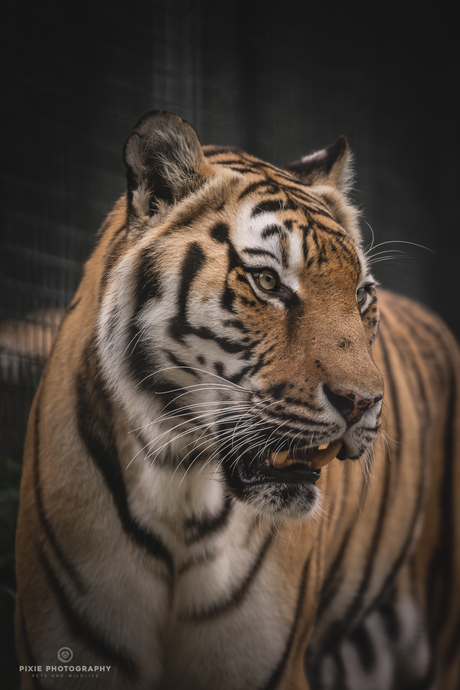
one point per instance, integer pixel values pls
(263, 188)
(264, 210)
(267, 219)
(263, 179)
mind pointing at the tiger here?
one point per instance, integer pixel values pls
(241, 469)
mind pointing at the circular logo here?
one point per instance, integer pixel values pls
(65, 655)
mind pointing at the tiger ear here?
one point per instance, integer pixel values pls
(163, 158)
(330, 166)
(330, 172)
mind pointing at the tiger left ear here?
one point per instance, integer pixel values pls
(164, 162)
(330, 166)
(330, 172)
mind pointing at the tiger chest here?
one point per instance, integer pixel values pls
(229, 622)
(226, 605)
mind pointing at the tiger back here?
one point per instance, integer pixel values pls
(242, 461)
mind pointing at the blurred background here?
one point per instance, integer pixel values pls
(278, 79)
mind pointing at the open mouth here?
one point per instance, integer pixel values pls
(301, 464)
(287, 467)
(311, 458)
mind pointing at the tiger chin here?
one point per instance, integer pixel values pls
(224, 354)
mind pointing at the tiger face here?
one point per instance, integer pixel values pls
(237, 328)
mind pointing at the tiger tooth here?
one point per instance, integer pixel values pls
(312, 458)
(279, 459)
(284, 460)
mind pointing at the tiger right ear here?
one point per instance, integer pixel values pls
(163, 158)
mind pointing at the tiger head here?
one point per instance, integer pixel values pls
(237, 328)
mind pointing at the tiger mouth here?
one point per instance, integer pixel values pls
(311, 458)
(287, 467)
(301, 464)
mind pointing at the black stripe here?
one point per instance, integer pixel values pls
(410, 364)
(221, 233)
(236, 323)
(46, 524)
(255, 251)
(364, 646)
(69, 310)
(176, 362)
(179, 326)
(94, 417)
(268, 206)
(238, 595)
(271, 230)
(334, 578)
(84, 630)
(148, 287)
(140, 360)
(242, 168)
(403, 554)
(228, 298)
(391, 620)
(262, 360)
(341, 672)
(229, 162)
(347, 245)
(371, 303)
(206, 334)
(239, 375)
(391, 392)
(441, 568)
(192, 264)
(268, 186)
(277, 390)
(198, 529)
(148, 280)
(289, 416)
(197, 561)
(279, 669)
(69, 568)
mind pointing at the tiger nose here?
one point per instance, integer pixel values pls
(351, 405)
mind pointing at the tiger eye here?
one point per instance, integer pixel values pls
(267, 280)
(360, 296)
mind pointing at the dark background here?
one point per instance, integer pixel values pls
(278, 79)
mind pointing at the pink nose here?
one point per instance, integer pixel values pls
(351, 405)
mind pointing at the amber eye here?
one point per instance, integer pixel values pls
(361, 295)
(267, 280)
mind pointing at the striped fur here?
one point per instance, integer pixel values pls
(157, 537)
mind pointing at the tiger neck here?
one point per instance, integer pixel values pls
(190, 509)
(186, 505)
